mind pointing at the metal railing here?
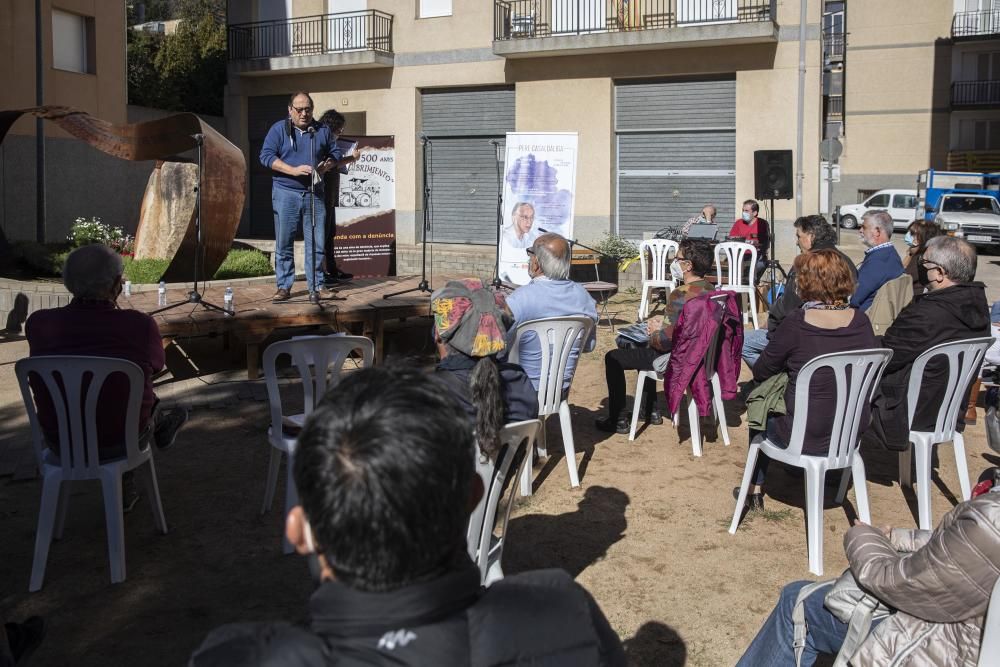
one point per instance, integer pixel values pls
(516, 19)
(975, 92)
(976, 23)
(834, 45)
(368, 30)
(835, 107)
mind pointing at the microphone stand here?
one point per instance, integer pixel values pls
(194, 296)
(497, 283)
(424, 286)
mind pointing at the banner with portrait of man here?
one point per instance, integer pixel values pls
(538, 192)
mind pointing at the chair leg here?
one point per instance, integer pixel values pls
(720, 408)
(744, 486)
(526, 471)
(541, 445)
(291, 500)
(153, 491)
(644, 303)
(62, 509)
(923, 453)
(51, 488)
(752, 300)
(695, 421)
(814, 518)
(639, 386)
(860, 488)
(906, 466)
(111, 485)
(566, 425)
(962, 466)
(273, 464)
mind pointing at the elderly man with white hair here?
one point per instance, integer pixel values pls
(881, 263)
(93, 325)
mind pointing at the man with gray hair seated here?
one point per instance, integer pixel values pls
(93, 325)
(953, 308)
(881, 263)
(549, 294)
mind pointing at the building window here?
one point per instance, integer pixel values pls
(432, 8)
(978, 135)
(73, 42)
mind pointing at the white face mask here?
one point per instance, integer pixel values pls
(676, 271)
(747, 216)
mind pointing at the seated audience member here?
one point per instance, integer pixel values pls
(470, 323)
(938, 584)
(755, 231)
(953, 308)
(93, 325)
(917, 235)
(825, 323)
(549, 294)
(812, 232)
(385, 474)
(707, 217)
(881, 263)
(692, 261)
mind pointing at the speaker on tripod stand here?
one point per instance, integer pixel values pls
(772, 179)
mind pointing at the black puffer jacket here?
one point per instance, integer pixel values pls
(953, 313)
(537, 618)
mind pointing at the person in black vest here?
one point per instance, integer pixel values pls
(385, 473)
(335, 121)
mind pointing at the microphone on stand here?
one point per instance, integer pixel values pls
(198, 138)
(424, 138)
(545, 231)
(495, 142)
(311, 129)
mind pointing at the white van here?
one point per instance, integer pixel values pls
(901, 204)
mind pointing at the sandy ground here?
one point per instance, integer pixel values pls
(646, 532)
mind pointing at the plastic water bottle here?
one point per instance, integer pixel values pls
(162, 294)
(127, 290)
(227, 302)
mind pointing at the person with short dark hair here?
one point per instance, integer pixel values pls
(693, 260)
(335, 121)
(384, 468)
(917, 235)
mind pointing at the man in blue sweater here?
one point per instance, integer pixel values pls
(286, 152)
(881, 263)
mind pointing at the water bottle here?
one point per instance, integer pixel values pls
(227, 302)
(162, 294)
(127, 290)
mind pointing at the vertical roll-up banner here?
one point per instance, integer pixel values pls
(365, 242)
(538, 192)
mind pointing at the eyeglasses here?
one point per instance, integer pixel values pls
(522, 216)
(928, 265)
(530, 251)
(302, 110)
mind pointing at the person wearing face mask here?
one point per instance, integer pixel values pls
(334, 121)
(706, 217)
(881, 262)
(917, 235)
(953, 308)
(755, 231)
(385, 473)
(692, 261)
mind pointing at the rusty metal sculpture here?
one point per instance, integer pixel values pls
(164, 140)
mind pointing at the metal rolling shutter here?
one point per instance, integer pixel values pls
(461, 162)
(262, 112)
(676, 152)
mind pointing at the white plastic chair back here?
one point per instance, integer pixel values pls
(557, 336)
(735, 253)
(965, 358)
(857, 373)
(486, 534)
(989, 648)
(81, 378)
(655, 256)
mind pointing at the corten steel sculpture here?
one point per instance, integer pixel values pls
(223, 178)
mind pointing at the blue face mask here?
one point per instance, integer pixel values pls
(747, 217)
(908, 239)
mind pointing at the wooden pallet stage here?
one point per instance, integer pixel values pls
(358, 304)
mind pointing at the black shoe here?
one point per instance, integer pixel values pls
(621, 425)
(654, 417)
(337, 277)
(167, 425)
(754, 501)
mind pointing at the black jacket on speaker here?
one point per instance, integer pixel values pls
(536, 618)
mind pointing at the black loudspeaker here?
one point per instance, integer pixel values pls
(772, 174)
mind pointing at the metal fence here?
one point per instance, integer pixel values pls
(975, 92)
(834, 45)
(368, 30)
(976, 23)
(515, 19)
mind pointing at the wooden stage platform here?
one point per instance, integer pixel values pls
(357, 305)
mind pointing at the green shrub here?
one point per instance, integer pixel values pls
(617, 247)
(91, 230)
(145, 271)
(46, 259)
(244, 264)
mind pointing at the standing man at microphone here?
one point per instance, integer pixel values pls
(291, 148)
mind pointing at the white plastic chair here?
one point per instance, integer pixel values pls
(965, 357)
(319, 360)
(711, 359)
(989, 648)
(78, 449)
(740, 278)
(654, 257)
(854, 391)
(487, 535)
(561, 334)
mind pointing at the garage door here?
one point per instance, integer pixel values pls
(676, 152)
(461, 161)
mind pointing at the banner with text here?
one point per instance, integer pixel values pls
(365, 242)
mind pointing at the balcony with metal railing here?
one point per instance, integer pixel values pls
(975, 94)
(981, 24)
(349, 40)
(834, 45)
(527, 28)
